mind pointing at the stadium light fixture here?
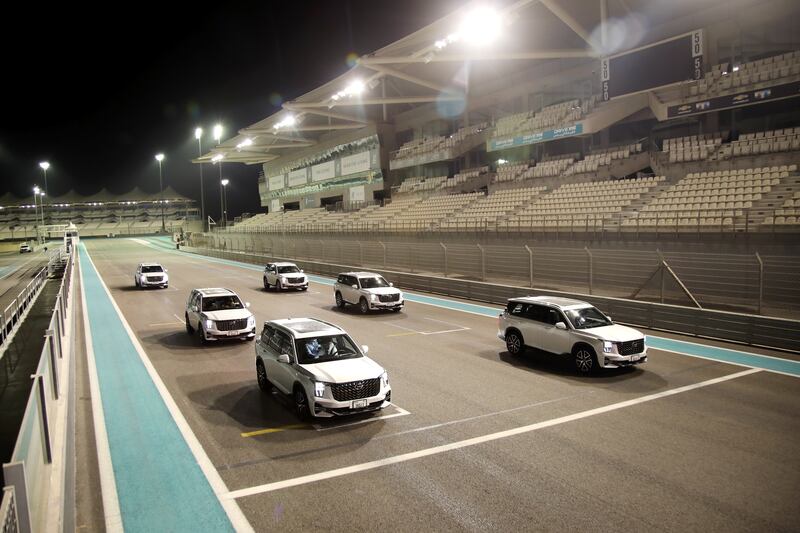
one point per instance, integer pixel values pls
(225, 182)
(44, 165)
(287, 122)
(481, 26)
(217, 132)
(160, 158)
(217, 158)
(198, 133)
(244, 144)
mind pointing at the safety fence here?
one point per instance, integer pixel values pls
(12, 315)
(738, 327)
(752, 283)
(27, 474)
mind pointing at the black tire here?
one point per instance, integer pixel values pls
(261, 376)
(363, 306)
(279, 285)
(585, 359)
(340, 303)
(202, 334)
(136, 282)
(189, 329)
(165, 286)
(301, 404)
(515, 344)
(304, 289)
(266, 284)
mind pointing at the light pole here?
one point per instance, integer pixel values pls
(225, 201)
(44, 165)
(198, 134)
(160, 158)
(218, 157)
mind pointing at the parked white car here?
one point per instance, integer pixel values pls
(25, 248)
(321, 367)
(566, 326)
(151, 275)
(366, 290)
(284, 276)
(217, 314)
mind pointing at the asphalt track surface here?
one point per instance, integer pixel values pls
(477, 440)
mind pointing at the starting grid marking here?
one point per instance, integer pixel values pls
(411, 331)
(321, 427)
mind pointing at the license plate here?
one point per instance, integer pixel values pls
(358, 404)
(232, 333)
(635, 357)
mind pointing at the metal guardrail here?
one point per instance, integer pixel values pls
(737, 327)
(28, 471)
(12, 314)
(739, 282)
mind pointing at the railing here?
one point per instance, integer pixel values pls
(764, 284)
(12, 314)
(24, 508)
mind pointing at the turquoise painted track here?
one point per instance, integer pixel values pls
(724, 355)
(159, 484)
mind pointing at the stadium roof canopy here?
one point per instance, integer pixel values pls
(444, 61)
(104, 196)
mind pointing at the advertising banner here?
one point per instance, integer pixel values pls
(355, 163)
(275, 206)
(357, 194)
(533, 138)
(786, 90)
(298, 177)
(276, 183)
(323, 171)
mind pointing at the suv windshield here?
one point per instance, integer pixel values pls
(586, 318)
(288, 270)
(221, 303)
(325, 348)
(151, 269)
(373, 283)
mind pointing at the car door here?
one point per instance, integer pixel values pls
(280, 374)
(195, 307)
(554, 340)
(350, 294)
(530, 325)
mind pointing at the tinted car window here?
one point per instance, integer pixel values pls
(517, 308)
(267, 334)
(325, 348)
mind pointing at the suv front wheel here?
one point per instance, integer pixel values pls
(266, 284)
(364, 306)
(585, 359)
(261, 373)
(339, 300)
(514, 343)
(301, 404)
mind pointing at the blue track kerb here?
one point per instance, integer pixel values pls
(159, 483)
(724, 355)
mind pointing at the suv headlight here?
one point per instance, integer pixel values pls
(319, 389)
(385, 379)
(373, 297)
(251, 321)
(608, 346)
(209, 324)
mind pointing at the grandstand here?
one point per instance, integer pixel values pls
(103, 213)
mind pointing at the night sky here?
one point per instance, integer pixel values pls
(98, 92)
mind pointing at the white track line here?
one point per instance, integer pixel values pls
(235, 515)
(400, 412)
(302, 480)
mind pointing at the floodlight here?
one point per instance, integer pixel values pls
(225, 182)
(36, 190)
(355, 88)
(244, 143)
(501, 161)
(481, 26)
(217, 132)
(217, 157)
(159, 157)
(198, 132)
(41, 193)
(44, 165)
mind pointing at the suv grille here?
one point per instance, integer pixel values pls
(343, 392)
(230, 325)
(155, 278)
(294, 280)
(389, 297)
(631, 347)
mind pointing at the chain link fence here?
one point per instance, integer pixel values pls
(750, 283)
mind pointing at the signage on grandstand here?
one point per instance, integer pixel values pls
(533, 138)
(275, 206)
(778, 92)
(653, 66)
(323, 171)
(276, 183)
(355, 163)
(298, 177)
(428, 157)
(357, 194)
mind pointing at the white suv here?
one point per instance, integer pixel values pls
(367, 290)
(284, 276)
(566, 326)
(151, 275)
(219, 314)
(321, 367)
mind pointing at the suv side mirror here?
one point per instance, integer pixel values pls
(391, 284)
(365, 349)
(609, 318)
(194, 309)
(354, 286)
(561, 325)
(284, 358)
(301, 270)
(247, 304)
